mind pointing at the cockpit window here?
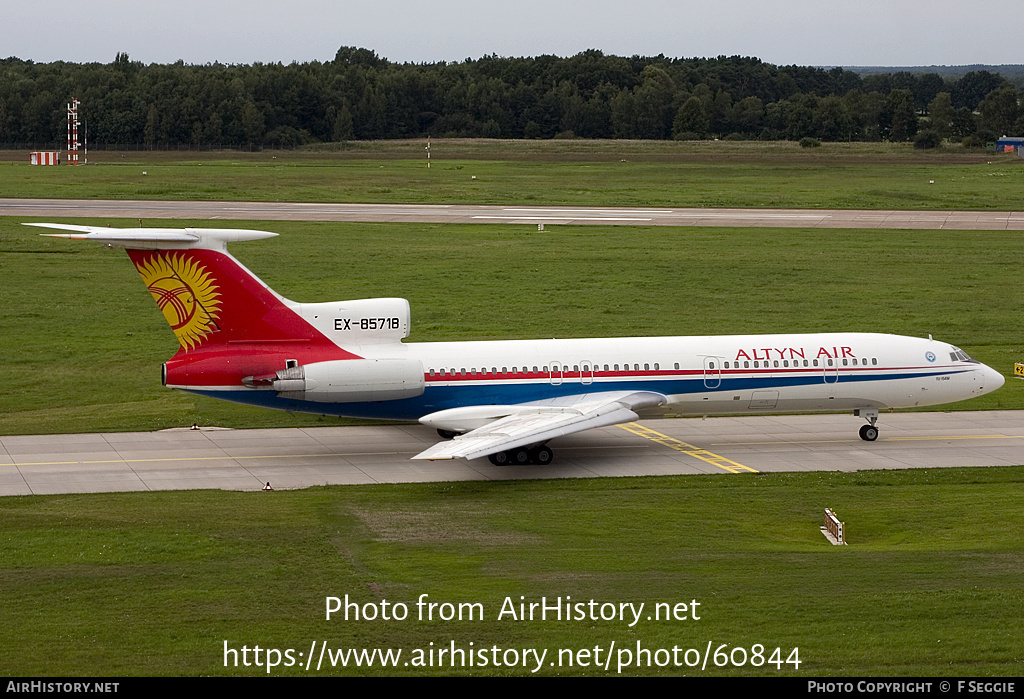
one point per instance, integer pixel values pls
(959, 355)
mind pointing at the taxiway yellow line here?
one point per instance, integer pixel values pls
(886, 439)
(201, 458)
(688, 449)
(228, 457)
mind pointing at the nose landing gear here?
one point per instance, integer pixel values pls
(869, 432)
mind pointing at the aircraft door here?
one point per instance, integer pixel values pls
(712, 372)
(586, 372)
(830, 369)
(555, 374)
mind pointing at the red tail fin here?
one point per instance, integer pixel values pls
(229, 323)
(208, 298)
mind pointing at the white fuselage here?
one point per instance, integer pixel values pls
(699, 375)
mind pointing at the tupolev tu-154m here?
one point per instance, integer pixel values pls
(505, 400)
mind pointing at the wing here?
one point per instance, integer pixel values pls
(490, 429)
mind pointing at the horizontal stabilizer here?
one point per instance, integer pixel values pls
(156, 238)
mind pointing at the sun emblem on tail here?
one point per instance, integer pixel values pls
(186, 294)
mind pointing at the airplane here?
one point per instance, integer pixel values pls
(505, 400)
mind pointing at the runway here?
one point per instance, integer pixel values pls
(458, 213)
(246, 460)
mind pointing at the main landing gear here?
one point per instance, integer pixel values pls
(539, 456)
(868, 433)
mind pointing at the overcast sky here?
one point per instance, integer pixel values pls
(783, 32)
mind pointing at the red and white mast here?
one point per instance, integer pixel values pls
(73, 132)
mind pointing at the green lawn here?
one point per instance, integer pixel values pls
(645, 173)
(83, 340)
(161, 583)
(157, 583)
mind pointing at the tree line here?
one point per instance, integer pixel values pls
(362, 96)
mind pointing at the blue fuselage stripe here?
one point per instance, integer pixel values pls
(443, 395)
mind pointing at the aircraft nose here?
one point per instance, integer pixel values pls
(992, 379)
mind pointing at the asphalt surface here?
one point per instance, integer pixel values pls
(422, 213)
(299, 458)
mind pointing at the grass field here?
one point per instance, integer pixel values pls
(871, 176)
(84, 341)
(156, 583)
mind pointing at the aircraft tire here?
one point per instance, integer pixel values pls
(520, 456)
(868, 433)
(447, 434)
(500, 459)
(541, 456)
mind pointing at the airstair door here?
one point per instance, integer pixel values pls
(712, 372)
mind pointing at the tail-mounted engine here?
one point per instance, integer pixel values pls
(346, 380)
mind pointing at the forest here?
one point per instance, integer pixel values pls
(362, 96)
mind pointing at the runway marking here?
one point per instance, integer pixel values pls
(965, 436)
(512, 217)
(204, 458)
(887, 439)
(566, 210)
(243, 458)
(688, 449)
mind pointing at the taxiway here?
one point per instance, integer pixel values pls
(303, 457)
